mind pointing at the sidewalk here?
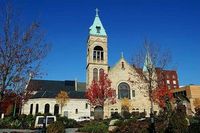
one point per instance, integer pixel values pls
(18, 131)
(67, 130)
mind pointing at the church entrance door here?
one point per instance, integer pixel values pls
(98, 113)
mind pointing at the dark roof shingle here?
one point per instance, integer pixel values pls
(50, 88)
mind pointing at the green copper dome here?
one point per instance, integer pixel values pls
(97, 27)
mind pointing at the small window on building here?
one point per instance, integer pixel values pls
(173, 76)
(56, 109)
(101, 73)
(98, 29)
(46, 108)
(98, 53)
(169, 87)
(168, 81)
(174, 82)
(102, 56)
(133, 93)
(175, 87)
(76, 111)
(116, 110)
(94, 55)
(31, 109)
(123, 65)
(37, 108)
(86, 106)
(95, 74)
(167, 76)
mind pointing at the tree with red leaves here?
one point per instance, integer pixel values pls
(101, 91)
(163, 96)
(11, 101)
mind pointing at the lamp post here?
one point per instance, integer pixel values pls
(152, 125)
(152, 122)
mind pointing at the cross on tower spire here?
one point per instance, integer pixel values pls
(122, 55)
(97, 11)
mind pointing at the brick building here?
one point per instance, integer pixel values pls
(168, 78)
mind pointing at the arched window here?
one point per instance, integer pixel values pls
(46, 108)
(101, 72)
(112, 111)
(98, 29)
(133, 93)
(86, 106)
(98, 53)
(37, 108)
(123, 90)
(95, 74)
(56, 109)
(31, 109)
(76, 111)
(123, 65)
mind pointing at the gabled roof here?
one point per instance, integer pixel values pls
(93, 30)
(50, 88)
(119, 61)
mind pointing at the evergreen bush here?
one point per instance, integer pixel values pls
(68, 123)
(56, 127)
(94, 127)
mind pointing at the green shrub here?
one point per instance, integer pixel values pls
(39, 114)
(16, 124)
(6, 122)
(135, 115)
(68, 123)
(19, 122)
(22, 117)
(48, 114)
(94, 127)
(56, 127)
(126, 114)
(118, 123)
(116, 115)
(106, 122)
(142, 115)
(132, 126)
(177, 123)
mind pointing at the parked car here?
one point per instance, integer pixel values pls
(83, 118)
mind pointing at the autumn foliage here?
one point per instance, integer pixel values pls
(101, 91)
(62, 98)
(126, 104)
(9, 100)
(162, 95)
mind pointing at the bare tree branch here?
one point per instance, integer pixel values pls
(22, 48)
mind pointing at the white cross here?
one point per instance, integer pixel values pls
(97, 11)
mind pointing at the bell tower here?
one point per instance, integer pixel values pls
(97, 51)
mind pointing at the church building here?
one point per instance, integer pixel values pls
(119, 74)
(44, 101)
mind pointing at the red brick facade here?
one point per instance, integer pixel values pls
(168, 78)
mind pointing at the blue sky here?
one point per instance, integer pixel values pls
(172, 24)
